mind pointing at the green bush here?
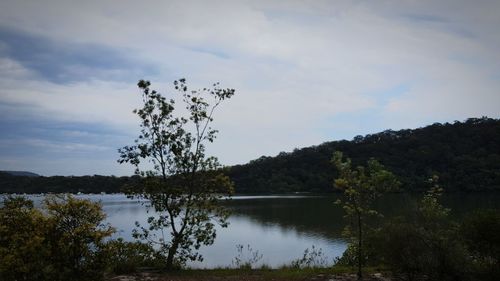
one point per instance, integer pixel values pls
(63, 242)
(23, 247)
(127, 257)
(418, 252)
(426, 246)
(76, 238)
(481, 233)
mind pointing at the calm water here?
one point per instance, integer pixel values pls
(279, 227)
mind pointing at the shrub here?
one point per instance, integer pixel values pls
(23, 248)
(427, 246)
(314, 258)
(76, 238)
(246, 259)
(481, 233)
(64, 243)
(126, 257)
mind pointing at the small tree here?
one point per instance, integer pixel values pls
(184, 185)
(76, 238)
(361, 186)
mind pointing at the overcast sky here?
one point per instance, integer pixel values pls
(305, 72)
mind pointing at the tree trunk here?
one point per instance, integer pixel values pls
(360, 248)
(171, 254)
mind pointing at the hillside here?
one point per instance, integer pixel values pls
(58, 184)
(465, 155)
(21, 173)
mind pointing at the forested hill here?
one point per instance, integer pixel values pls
(465, 156)
(21, 173)
(12, 183)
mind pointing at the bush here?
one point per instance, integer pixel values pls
(481, 233)
(64, 243)
(76, 238)
(417, 252)
(427, 246)
(127, 257)
(370, 256)
(23, 245)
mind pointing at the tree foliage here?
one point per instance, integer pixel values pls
(480, 231)
(127, 257)
(23, 245)
(425, 245)
(184, 185)
(77, 237)
(64, 241)
(465, 156)
(361, 187)
(60, 184)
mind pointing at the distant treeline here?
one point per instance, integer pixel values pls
(465, 156)
(59, 184)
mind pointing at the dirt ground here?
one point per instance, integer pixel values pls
(245, 277)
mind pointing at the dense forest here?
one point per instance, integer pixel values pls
(465, 156)
(58, 184)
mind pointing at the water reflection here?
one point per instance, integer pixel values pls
(279, 228)
(311, 216)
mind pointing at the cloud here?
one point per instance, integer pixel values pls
(305, 72)
(44, 145)
(63, 62)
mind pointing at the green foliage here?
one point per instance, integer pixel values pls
(65, 242)
(23, 247)
(350, 255)
(76, 237)
(481, 233)
(417, 252)
(428, 245)
(185, 186)
(465, 155)
(59, 184)
(127, 257)
(361, 187)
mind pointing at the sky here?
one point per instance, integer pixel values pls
(305, 72)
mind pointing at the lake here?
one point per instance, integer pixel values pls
(279, 227)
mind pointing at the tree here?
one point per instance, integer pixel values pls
(23, 252)
(185, 185)
(76, 238)
(361, 186)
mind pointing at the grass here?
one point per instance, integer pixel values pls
(265, 273)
